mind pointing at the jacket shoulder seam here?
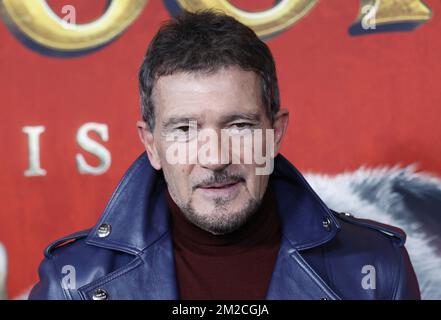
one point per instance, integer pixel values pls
(390, 231)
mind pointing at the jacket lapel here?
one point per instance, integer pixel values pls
(150, 276)
(294, 279)
(306, 223)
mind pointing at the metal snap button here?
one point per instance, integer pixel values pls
(326, 224)
(104, 230)
(100, 294)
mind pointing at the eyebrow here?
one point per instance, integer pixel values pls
(241, 116)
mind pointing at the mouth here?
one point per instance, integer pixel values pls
(227, 189)
(226, 184)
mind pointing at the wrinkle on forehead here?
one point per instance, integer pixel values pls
(226, 88)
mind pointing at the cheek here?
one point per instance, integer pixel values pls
(178, 179)
(256, 185)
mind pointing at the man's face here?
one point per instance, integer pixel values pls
(217, 195)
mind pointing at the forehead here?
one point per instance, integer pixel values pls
(199, 94)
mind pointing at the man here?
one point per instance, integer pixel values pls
(194, 218)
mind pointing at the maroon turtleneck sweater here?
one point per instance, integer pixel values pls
(238, 265)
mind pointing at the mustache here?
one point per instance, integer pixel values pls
(219, 178)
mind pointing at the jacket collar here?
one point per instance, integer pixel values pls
(307, 221)
(138, 216)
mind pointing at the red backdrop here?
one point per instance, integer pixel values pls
(354, 100)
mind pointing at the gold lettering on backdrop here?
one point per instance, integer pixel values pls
(382, 13)
(265, 23)
(36, 20)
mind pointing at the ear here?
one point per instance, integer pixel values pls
(280, 124)
(147, 140)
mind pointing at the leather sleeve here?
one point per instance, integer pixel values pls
(407, 285)
(49, 286)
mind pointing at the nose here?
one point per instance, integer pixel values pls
(214, 152)
(214, 165)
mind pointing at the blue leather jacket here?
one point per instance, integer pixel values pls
(323, 254)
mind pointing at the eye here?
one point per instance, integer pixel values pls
(183, 128)
(183, 132)
(241, 125)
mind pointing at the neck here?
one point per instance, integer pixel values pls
(262, 229)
